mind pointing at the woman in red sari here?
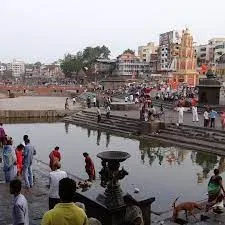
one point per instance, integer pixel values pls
(89, 167)
(54, 156)
(19, 159)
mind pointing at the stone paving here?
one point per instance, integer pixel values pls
(35, 103)
(37, 199)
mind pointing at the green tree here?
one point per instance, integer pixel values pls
(90, 54)
(129, 51)
(71, 64)
(85, 59)
(37, 64)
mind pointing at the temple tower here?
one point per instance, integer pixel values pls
(186, 61)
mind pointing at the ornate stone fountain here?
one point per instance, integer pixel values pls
(105, 201)
(110, 176)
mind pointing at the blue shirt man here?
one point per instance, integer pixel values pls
(29, 152)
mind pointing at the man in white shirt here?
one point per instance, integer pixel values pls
(20, 207)
(54, 177)
(206, 118)
(74, 100)
(94, 101)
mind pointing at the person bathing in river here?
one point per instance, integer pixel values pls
(216, 190)
(89, 167)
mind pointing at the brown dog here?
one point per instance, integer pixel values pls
(188, 207)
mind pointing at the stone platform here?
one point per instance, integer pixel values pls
(36, 107)
(123, 106)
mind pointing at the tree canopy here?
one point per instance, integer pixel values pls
(71, 64)
(37, 64)
(83, 59)
(129, 51)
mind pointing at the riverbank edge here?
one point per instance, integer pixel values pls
(26, 114)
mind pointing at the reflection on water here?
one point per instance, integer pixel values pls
(161, 170)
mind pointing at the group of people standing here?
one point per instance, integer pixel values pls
(209, 114)
(18, 162)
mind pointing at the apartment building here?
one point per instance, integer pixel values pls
(2, 69)
(17, 68)
(220, 66)
(202, 54)
(145, 52)
(131, 66)
(168, 50)
(210, 53)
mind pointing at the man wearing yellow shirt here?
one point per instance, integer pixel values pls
(66, 212)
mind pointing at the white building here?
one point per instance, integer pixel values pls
(2, 69)
(131, 66)
(203, 54)
(211, 52)
(17, 68)
(145, 52)
(168, 49)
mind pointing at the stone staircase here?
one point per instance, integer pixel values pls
(117, 124)
(197, 138)
(185, 136)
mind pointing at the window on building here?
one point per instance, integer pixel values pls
(203, 49)
(162, 55)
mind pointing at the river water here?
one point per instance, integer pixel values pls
(162, 171)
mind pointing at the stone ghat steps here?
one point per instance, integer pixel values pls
(203, 129)
(198, 140)
(185, 143)
(133, 120)
(95, 125)
(104, 121)
(116, 120)
(217, 137)
(106, 124)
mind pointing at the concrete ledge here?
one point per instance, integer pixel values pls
(123, 106)
(34, 113)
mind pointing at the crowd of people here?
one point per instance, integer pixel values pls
(63, 208)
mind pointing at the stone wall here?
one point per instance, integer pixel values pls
(33, 113)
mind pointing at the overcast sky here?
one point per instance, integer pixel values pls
(44, 30)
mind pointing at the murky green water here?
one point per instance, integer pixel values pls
(164, 172)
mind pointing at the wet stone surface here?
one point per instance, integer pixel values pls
(37, 199)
